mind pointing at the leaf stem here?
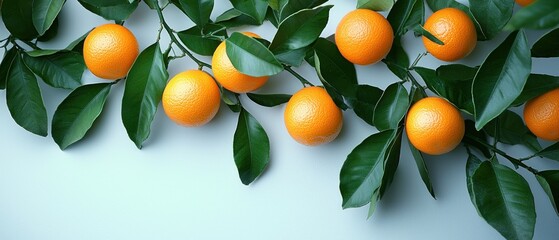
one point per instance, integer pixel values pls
(174, 39)
(416, 61)
(505, 155)
(416, 83)
(304, 81)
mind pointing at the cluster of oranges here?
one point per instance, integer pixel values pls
(433, 125)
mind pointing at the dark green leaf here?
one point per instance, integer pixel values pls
(269, 100)
(256, 9)
(106, 3)
(77, 113)
(231, 99)
(492, 15)
(198, 11)
(18, 18)
(364, 100)
(541, 14)
(471, 165)
(274, 4)
(194, 39)
(235, 18)
(472, 136)
(142, 93)
(397, 59)
(9, 57)
(299, 31)
(42, 52)
(44, 13)
(423, 32)
(77, 45)
(251, 148)
(391, 107)
(536, 85)
(547, 46)
(422, 168)
(288, 7)
(549, 180)
(119, 12)
(24, 100)
(551, 152)
(509, 128)
(334, 68)
(501, 78)
(503, 198)
(363, 170)
(294, 57)
(251, 57)
(405, 14)
(391, 161)
(375, 5)
(60, 70)
(50, 33)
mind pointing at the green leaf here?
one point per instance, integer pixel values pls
(231, 99)
(364, 100)
(299, 31)
(375, 5)
(198, 11)
(106, 3)
(251, 57)
(536, 85)
(456, 88)
(509, 128)
(362, 172)
(18, 18)
(549, 180)
(503, 198)
(391, 161)
(334, 68)
(256, 9)
(24, 100)
(472, 136)
(541, 14)
(551, 152)
(142, 93)
(274, 4)
(42, 52)
(501, 78)
(391, 107)
(397, 59)
(51, 32)
(471, 165)
(419, 30)
(119, 12)
(9, 57)
(288, 7)
(547, 46)
(492, 15)
(405, 14)
(269, 100)
(76, 113)
(422, 168)
(44, 13)
(251, 148)
(59, 70)
(195, 40)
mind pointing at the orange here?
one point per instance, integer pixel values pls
(191, 98)
(109, 51)
(524, 2)
(541, 115)
(229, 77)
(434, 126)
(312, 118)
(455, 29)
(364, 36)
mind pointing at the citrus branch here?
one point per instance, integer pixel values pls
(304, 81)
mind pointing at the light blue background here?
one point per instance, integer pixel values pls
(184, 184)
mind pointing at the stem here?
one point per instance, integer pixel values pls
(304, 81)
(505, 155)
(174, 39)
(416, 83)
(421, 55)
(30, 44)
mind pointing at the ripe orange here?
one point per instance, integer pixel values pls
(364, 36)
(229, 77)
(455, 29)
(312, 118)
(542, 115)
(434, 126)
(191, 98)
(524, 2)
(109, 51)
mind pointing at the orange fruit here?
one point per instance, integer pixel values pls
(364, 36)
(109, 51)
(434, 126)
(312, 118)
(541, 115)
(229, 77)
(455, 29)
(524, 2)
(191, 98)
